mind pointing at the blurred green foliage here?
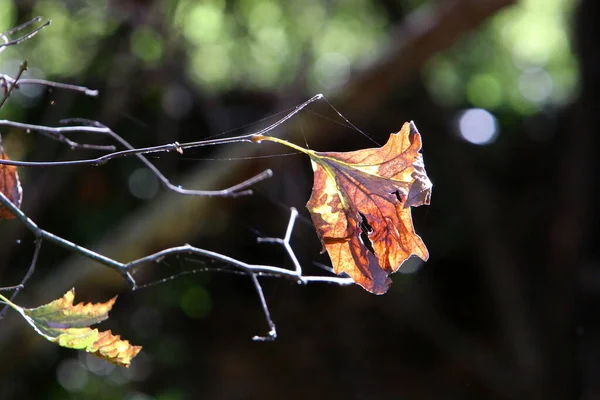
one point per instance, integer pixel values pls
(520, 60)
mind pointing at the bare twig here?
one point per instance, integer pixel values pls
(6, 79)
(42, 234)
(59, 133)
(10, 288)
(127, 269)
(260, 270)
(22, 68)
(285, 241)
(21, 286)
(272, 334)
(23, 38)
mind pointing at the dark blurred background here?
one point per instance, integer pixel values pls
(503, 93)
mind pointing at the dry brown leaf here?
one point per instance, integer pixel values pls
(361, 206)
(371, 191)
(9, 186)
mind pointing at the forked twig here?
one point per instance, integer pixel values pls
(59, 133)
(9, 89)
(21, 286)
(96, 127)
(56, 134)
(23, 38)
(127, 269)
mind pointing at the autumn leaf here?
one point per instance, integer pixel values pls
(361, 206)
(9, 186)
(67, 325)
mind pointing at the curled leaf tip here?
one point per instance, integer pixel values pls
(413, 128)
(111, 348)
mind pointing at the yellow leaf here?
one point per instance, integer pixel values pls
(67, 325)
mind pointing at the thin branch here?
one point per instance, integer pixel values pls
(22, 68)
(253, 270)
(22, 26)
(10, 288)
(285, 242)
(59, 133)
(97, 127)
(57, 85)
(272, 334)
(21, 286)
(126, 269)
(42, 234)
(76, 145)
(258, 269)
(185, 273)
(23, 38)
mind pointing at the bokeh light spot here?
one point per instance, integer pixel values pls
(332, 70)
(71, 375)
(211, 66)
(176, 101)
(204, 23)
(147, 45)
(536, 85)
(264, 13)
(143, 184)
(139, 396)
(147, 322)
(96, 365)
(196, 302)
(484, 91)
(477, 126)
(139, 370)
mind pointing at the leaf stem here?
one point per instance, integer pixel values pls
(8, 302)
(260, 138)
